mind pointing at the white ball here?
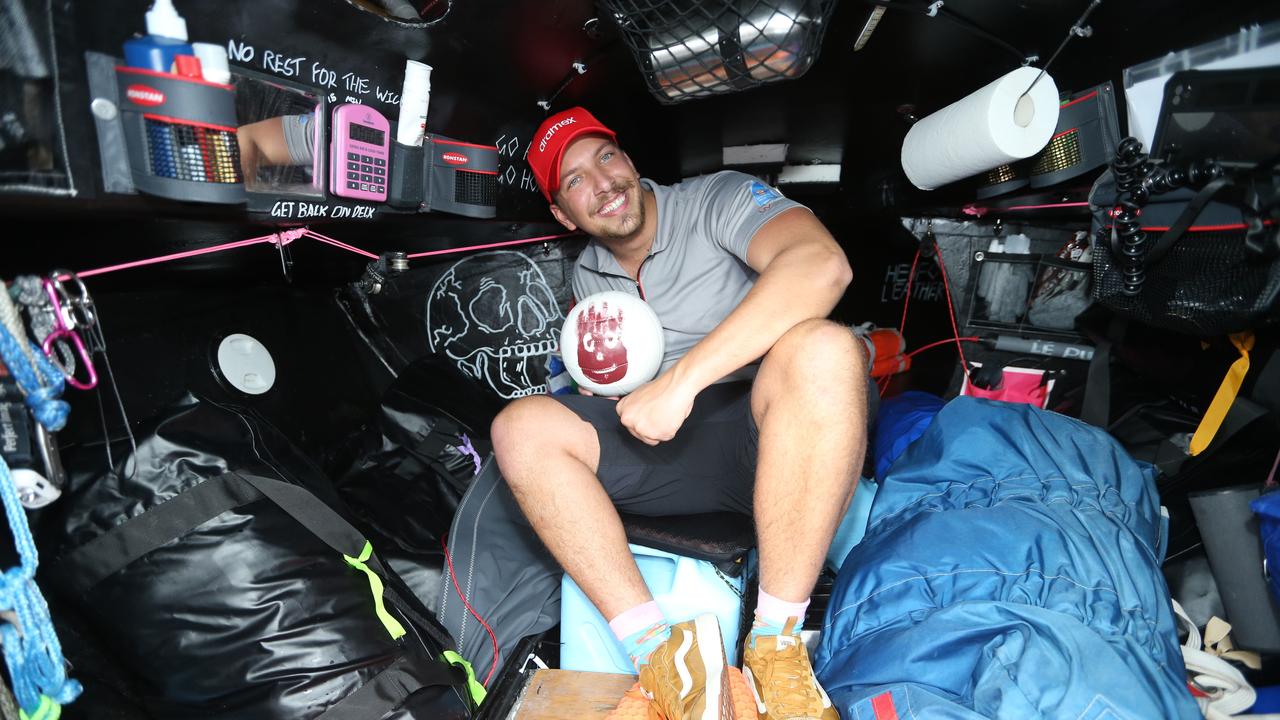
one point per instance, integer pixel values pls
(612, 343)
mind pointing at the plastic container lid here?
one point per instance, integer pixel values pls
(213, 62)
(163, 20)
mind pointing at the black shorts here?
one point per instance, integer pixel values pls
(710, 464)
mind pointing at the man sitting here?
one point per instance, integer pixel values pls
(759, 407)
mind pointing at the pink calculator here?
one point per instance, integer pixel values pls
(359, 153)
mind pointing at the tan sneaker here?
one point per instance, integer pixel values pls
(779, 674)
(685, 678)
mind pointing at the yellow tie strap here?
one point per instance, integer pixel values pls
(477, 690)
(48, 710)
(392, 625)
(1226, 395)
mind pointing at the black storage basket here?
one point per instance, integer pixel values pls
(692, 48)
(181, 135)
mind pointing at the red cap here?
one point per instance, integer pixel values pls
(549, 142)
(187, 66)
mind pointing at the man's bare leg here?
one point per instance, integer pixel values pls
(809, 402)
(549, 456)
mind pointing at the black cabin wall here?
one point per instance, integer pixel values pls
(493, 62)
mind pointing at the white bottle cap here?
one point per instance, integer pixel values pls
(163, 20)
(213, 62)
(415, 96)
(416, 72)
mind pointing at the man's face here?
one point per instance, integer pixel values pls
(599, 190)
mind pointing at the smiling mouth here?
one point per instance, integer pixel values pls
(614, 205)
(606, 375)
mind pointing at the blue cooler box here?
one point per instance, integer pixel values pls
(684, 589)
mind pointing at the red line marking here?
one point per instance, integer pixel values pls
(1079, 99)
(882, 704)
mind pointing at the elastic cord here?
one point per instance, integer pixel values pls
(284, 237)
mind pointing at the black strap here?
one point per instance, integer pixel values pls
(106, 554)
(1096, 407)
(1240, 415)
(1185, 218)
(407, 604)
(389, 688)
(314, 515)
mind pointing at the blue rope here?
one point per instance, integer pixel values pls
(42, 384)
(33, 653)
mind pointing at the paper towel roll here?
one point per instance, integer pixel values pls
(984, 130)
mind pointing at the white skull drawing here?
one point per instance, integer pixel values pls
(495, 315)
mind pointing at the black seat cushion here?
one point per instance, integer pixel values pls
(723, 538)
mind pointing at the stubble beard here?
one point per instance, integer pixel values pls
(626, 225)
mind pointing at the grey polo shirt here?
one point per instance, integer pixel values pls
(299, 137)
(696, 273)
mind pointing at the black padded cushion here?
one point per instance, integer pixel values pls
(723, 538)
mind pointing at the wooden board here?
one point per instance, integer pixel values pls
(570, 695)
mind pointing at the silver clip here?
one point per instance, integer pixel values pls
(286, 257)
(77, 307)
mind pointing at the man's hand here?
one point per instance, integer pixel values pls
(655, 411)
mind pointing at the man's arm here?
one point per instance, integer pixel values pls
(262, 144)
(803, 274)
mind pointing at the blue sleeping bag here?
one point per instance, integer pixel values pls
(1010, 569)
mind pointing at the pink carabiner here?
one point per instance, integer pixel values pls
(85, 358)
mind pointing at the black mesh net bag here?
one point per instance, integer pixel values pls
(1207, 283)
(696, 48)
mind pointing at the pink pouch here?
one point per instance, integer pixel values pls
(1017, 385)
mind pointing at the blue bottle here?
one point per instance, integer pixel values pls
(166, 38)
(559, 382)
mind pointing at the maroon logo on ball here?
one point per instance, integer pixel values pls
(602, 356)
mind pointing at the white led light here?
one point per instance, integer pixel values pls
(767, 154)
(792, 174)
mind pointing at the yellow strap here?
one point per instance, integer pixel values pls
(375, 584)
(48, 710)
(1226, 394)
(478, 692)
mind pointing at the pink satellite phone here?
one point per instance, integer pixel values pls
(359, 152)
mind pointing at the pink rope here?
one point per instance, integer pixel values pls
(507, 243)
(284, 237)
(979, 211)
(339, 244)
(176, 256)
(1050, 205)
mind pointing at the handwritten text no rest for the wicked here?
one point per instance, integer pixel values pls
(315, 73)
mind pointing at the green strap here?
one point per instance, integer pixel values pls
(48, 710)
(375, 584)
(478, 692)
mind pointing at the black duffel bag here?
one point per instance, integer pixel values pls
(212, 569)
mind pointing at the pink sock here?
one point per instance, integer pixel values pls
(774, 611)
(638, 618)
(641, 630)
